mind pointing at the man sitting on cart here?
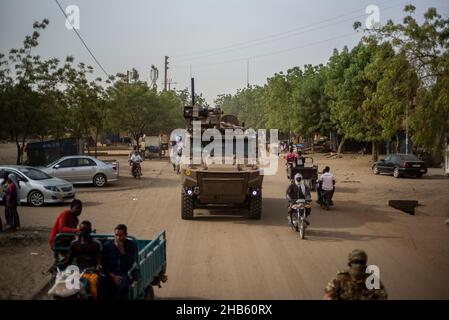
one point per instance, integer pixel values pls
(119, 256)
(87, 252)
(296, 191)
(300, 160)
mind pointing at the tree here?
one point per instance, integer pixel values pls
(28, 91)
(246, 104)
(310, 103)
(424, 46)
(344, 87)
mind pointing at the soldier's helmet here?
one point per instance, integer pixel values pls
(358, 256)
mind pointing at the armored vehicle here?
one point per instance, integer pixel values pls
(230, 184)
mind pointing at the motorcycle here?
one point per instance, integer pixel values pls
(326, 199)
(298, 216)
(137, 170)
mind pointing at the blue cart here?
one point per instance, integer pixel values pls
(150, 267)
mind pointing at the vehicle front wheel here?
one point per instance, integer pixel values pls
(186, 206)
(302, 230)
(396, 173)
(255, 207)
(376, 170)
(100, 180)
(36, 199)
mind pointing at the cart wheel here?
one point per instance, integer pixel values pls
(149, 294)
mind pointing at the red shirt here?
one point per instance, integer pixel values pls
(290, 157)
(65, 223)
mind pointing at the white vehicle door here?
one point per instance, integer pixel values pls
(25, 187)
(86, 169)
(66, 169)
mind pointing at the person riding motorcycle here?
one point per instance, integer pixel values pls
(296, 191)
(135, 160)
(326, 183)
(291, 157)
(135, 148)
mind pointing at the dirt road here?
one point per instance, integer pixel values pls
(230, 257)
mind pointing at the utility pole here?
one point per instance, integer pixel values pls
(165, 75)
(406, 130)
(170, 83)
(247, 72)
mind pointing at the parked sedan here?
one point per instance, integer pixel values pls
(83, 170)
(401, 165)
(37, 187)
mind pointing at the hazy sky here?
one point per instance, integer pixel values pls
(215, 37)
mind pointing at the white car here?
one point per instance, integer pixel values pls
(37, 187)
(83, 170)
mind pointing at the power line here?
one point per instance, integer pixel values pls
(274, 52)
(280, 51)
(283, 35)
(276, 36)
(82, 40)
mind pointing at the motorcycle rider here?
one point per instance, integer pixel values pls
(296, 191)
(291, 157)
(129, 157)
(135, 160)
(326, 183)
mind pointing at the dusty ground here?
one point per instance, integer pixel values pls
(24, 260)
(229, 257)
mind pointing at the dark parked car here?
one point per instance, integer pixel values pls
(401, 165)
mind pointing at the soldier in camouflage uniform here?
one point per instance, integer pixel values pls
(350, 284)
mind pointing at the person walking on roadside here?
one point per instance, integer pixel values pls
(3, 188)
(11, 202)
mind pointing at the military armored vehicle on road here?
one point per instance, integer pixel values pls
(219, 185)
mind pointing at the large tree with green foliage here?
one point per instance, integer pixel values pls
(424, 47)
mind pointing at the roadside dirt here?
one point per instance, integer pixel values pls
(24, 257)
(224, 256)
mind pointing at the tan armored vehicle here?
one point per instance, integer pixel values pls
(219, 185)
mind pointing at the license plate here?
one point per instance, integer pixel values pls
(416, 166)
